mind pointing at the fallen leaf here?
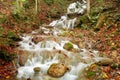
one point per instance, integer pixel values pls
(7, 77)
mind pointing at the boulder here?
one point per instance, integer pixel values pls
(36, 69)
(37, 39)
(57, 70)
(105, 62)
(23, 56)
(37, 74)
(68, 46)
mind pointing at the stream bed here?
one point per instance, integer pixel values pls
(48, 48)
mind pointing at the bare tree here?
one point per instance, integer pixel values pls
(88, 8)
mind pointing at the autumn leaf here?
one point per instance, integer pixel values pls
(104, 75)
(7, 77)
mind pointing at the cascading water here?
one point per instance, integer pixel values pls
(49, 51)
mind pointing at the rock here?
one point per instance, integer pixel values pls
(73, 15)
(23, 56)
(37, 39)
(68, 46)
(37, 74)
(57, 70)
(14, 45)
(47, 77)
(75, 40)
(35, 26)
(36, 69)
(105, 62)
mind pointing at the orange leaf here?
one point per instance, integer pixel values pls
(7, 77)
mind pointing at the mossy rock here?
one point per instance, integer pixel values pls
(57, 70)
(105, 62)
(68, 46)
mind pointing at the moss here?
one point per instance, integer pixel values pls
(68, 46)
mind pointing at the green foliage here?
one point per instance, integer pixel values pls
(13, 36)
(49, 2)
(115, 66)
(84, 22)
(60, 2)
(100, 1)
(84, 26)
(26, 4)
(90, 73)
(117, 17)
(19, 6)
(1, 32)
(8, 38)
(84, 19)
(19, 17)
(3, 19)
(118, 30)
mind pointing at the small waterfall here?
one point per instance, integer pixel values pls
(50, 51)
(64, 21)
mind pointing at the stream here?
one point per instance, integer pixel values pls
(49, 49)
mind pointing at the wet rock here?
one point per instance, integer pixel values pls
(81, 45)
(15, 44)
(68, 46)
(75, 40)
(73, 15)
(23, 56)
(57, 70)
(35, 26)
(37, 74)
(105, 62)
(36, 69)
(50, 78)
(55, 15)
(37, 39)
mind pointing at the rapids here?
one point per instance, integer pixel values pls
(49, 51)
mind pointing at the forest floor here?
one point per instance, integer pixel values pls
(103, 30)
